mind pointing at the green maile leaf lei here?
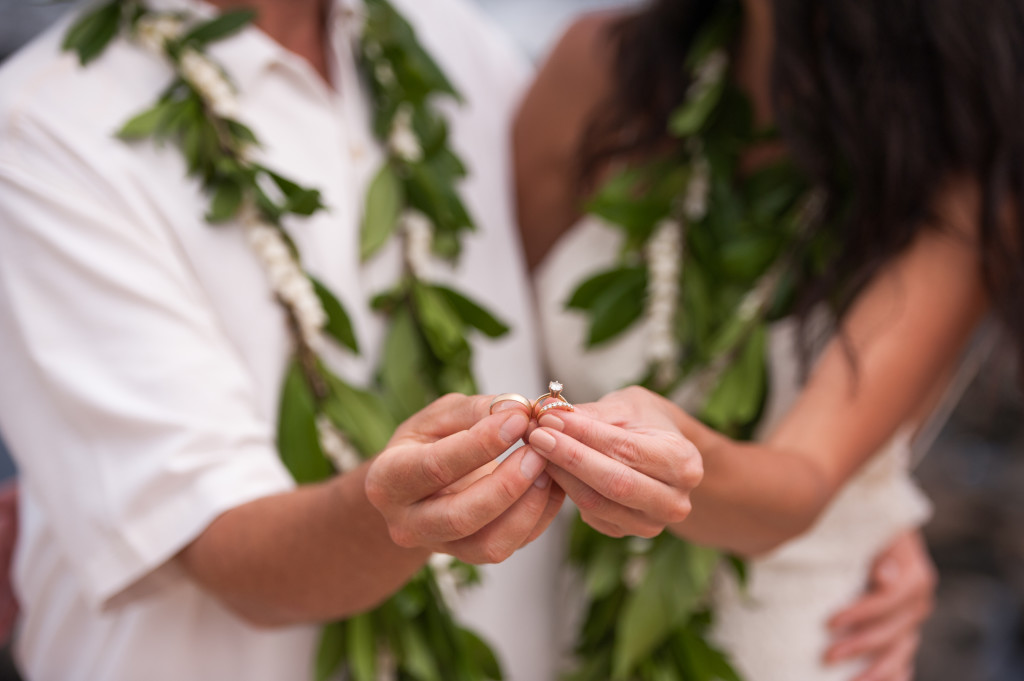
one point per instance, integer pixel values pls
(325, 424)
(710, 257)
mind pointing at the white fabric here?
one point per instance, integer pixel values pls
(143, 352)
(777, 630)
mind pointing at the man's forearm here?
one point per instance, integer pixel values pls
(317, 553)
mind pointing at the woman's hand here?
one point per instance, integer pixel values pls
(884, 624)
(622, 461)
(438, 485)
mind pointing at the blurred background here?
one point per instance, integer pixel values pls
(974, 471)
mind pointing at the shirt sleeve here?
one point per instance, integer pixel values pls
(132, 418)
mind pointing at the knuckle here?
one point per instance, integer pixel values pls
(622, 484)
(376, 492)
(433, 469)
(401, 536)
(506, 492)
(574, 458)
(589, 501)
(679, 510)
(496, 553)
(627, 448)
(457, 525)
(449, 400)
(648, 531)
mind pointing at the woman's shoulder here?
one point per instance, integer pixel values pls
(575, 77)
(573, 82)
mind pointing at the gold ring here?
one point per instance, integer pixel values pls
(558, 401)
(511, 397)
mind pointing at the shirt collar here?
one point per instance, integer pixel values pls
(250, 53)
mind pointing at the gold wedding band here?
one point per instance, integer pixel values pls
(558, 401)
(511, 397)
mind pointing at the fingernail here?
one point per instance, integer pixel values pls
(552, 421)
(532, 464)
(513, 428)
(542, 440)
(542, 481)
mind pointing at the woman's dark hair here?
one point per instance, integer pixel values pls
(881, 102)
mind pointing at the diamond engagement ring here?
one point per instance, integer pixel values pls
(552, 399)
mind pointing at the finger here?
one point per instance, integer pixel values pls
(456, 516)
(876, 604)
(612, 479)
(662, 454)
(604, 515)
(448, 415)
(503, 536)
(894, 664)
(556, 496)
(413, 471)
(877, 637)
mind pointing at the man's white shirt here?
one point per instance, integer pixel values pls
(141, 349)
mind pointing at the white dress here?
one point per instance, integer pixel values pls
(775, 631)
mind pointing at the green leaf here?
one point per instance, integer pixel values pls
(746, 258)
(297, 438)
(221, 27)
(241, 132)
(298, 199)
(472, 314)
(694, 113)
(616, 308)
(590, 291)
(441, 325)
(384, 201)
(625, 203)
(677, 578)
(402, 367)
(227, 198)
(417, 658)
(144, 124)
(89, 36)
(737, 398)
(481, 654)
(339, 325)
(603, 570)
(705, 662)
(739, 566)
(331, 651)
(361, 648)
(362, 416)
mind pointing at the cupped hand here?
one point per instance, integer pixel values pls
(885, 623)
(438, 484)
(622, 461)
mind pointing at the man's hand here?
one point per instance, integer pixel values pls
(438, 485)
(623, 461)
(885, 623)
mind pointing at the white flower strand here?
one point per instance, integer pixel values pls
(447, 582)
(707, 73)
(664, 253)
(419, 235)
(698, 190)
(153, 32)
(210, 82)
(387, 665)
(336, 446)
(402, 140)
(287, 279)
